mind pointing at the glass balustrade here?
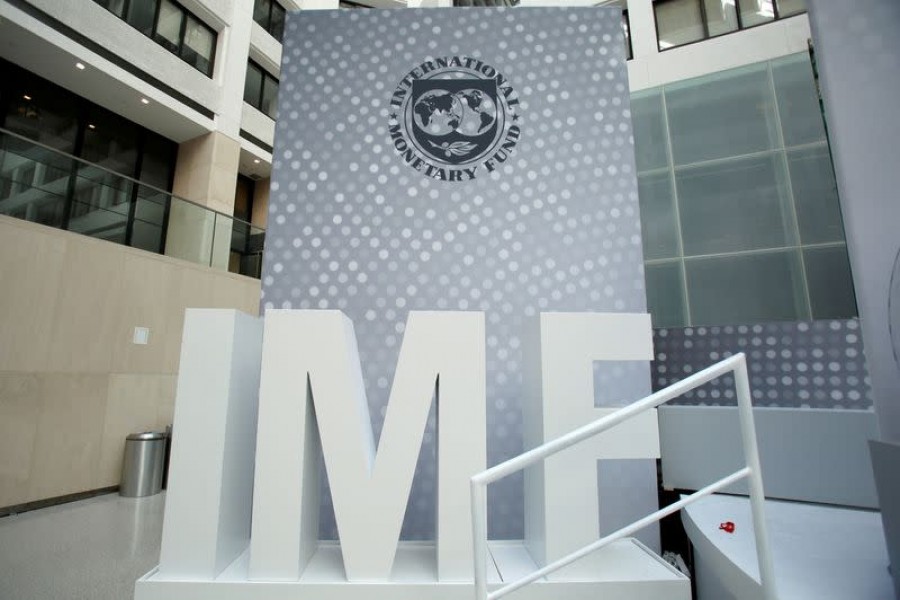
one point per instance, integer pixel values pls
(46, 186)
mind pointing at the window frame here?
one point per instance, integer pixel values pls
(704, 21)
(267, 26)
(155, 36)
(257, 104)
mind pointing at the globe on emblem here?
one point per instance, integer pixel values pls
(438, 112)
(478, 112)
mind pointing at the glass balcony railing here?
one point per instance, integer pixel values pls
(43, 185)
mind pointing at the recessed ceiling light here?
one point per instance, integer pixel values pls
(91, 126)
(144, 101)
(255, 161)
(27, 97)
(79, 66)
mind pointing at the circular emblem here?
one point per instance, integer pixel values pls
(454, 118)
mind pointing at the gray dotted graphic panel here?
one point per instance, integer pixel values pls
(805, 364)
(556, 227)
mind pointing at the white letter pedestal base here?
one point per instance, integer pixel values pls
(625, 570)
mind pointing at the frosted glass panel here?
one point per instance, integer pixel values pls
(734, 205)
(745, 288)
(815, 195)
(755, 12)
(650, 139)
(665, 294)
(658, 225)
(786, 8)
(736, 187)
(728, 114)
(678, 22)
(798, 103)
(830, 282)
(721, 16)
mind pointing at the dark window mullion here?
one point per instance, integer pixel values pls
(181, 32)
(775, 10)
(704, 19)
(269, 19)
(737, 10)
(77, 150)
(156, 21)
(135, 187)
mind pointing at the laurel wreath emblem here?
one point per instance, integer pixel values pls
(454, 149)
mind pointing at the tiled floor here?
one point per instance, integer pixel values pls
(89, 550)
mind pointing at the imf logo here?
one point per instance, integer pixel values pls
(453, 117)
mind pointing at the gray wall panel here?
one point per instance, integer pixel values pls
(809, 455)
(556, 227)
(859, 66)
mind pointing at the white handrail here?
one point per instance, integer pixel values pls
(751, 471)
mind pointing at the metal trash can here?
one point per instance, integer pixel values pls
(142, 470)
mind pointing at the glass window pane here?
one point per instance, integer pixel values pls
(158, 160)
(651, 143)
(141, 14)
(261, 12)
(168, 28)
(815, 195)
(726, 114)
(149, 216)
(678, 22)
(721, 16)
(665, 294)
(198, 45)
(110, 141)
(40, 111)
(116, 7)
(658, 227)
(734, 205)
(830, 282)
(270, 97)
(253, 85)
(754, 12)
(787, 8)
(798, 101)
(277, 26)
(746, 288)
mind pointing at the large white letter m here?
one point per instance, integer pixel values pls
(312, 400)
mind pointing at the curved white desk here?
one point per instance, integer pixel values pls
(820, 552)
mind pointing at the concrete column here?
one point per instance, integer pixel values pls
(643, 28)
(234, 70)
(206, 171)
(206, 174)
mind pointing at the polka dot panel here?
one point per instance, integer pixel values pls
(805, 364)
(553, 228)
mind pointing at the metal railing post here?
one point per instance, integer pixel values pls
(479, 537)
(755, 483)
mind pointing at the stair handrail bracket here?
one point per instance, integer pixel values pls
(736, 364)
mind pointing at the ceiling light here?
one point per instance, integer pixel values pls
(79, 66)
(91, 126)
(144, 101)
(255, 161)
(27, 97)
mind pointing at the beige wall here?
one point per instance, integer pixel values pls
(72, 383)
